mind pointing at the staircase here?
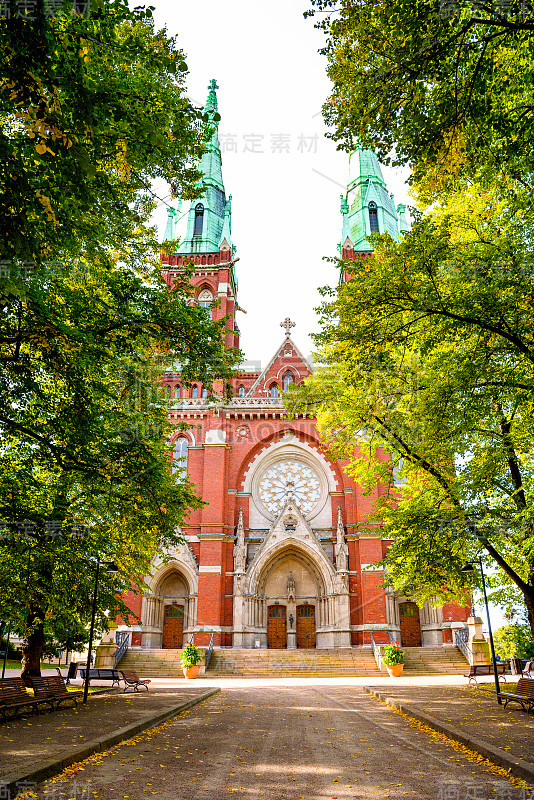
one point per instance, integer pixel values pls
(434, 661)
(241, 663)
(327, 663)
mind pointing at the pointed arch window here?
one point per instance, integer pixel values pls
(373, 218)
(179, 457)
(273, 390)
(177, 391)
(194, 391)
(199, 220)
(288, 380)
(205, 301)
(241, 391)
(204, 392)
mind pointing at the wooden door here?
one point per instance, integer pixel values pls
(276, 627)
(173, 627)
(410, 625)
(306, 626)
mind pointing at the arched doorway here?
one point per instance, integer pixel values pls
(410, 625)
(173, 626)
(173, 593)
(306, 626)
(276, 627)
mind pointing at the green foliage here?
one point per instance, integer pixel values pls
(391, 654)
(191, 656)
(514, 641)
(427, 353)
(93, 110)
(447, 87)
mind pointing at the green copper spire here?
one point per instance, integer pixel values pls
(206, 216)
(371, 207)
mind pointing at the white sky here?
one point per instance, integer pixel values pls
(285, 205)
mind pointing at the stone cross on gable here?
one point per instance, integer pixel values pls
(287, 324)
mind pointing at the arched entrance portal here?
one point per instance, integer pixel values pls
(410, 625)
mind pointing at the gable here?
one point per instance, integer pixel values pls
(287, 358)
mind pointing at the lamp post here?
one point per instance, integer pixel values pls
(110, 567)
(7, 648)
(468, 567)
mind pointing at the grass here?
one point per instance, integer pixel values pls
(505, 687)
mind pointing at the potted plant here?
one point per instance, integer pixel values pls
(392, 656)
(191, 660)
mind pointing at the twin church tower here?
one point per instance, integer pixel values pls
(276, 557)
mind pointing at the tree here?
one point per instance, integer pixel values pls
(446, 88)
(428, 349)
(427, 353)
(93, 110)
(514, 641)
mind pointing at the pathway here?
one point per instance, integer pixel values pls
(285, 743)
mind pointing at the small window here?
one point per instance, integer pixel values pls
(241, 391)
(273, 390)
(199, 220)
(167, 392)
(288, 380)
(204, 392)
(179, 457)
(194, 391)
(373, 218)
(177, 391)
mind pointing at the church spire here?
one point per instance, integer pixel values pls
(209, 213)
(371, 209)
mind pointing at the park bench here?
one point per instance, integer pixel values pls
(102, 674)
(524, 694)
(485, 669)
(525, 671)
(132, 680)
(52, 689)
(73, 671)
(13, 695)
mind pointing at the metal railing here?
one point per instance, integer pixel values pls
(209, 652)
(376, 653)
(461, 637)
(122, 640)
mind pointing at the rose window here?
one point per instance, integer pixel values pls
(287, 479)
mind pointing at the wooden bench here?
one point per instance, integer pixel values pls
(485, 669)
(102, 674)
(524, 694)
(133, 681)
(13, 695)
(52, 689)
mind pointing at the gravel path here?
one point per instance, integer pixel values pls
(285, 743)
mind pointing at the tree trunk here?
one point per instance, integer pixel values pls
(33, 645)
(529, 602)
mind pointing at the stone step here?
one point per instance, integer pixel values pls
(296, 663)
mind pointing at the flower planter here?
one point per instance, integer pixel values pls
(191, 672)
(395, 670)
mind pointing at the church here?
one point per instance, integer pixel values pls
(278, 556)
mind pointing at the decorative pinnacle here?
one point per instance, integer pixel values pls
(287, 324)
(211, 102)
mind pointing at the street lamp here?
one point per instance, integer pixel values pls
(468, 567)
(112, 568)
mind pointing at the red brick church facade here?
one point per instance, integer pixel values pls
(278, 556)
